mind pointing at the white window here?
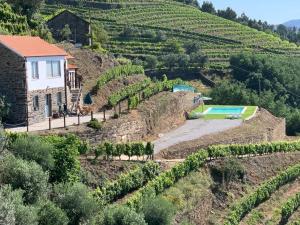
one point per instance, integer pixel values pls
(34, 70)
(53, 69)
(35, 101)
(59, 98)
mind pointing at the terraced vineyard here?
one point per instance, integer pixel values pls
(219, 37)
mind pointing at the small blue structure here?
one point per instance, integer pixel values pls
(182, 87)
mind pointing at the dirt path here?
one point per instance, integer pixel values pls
(193, 129)
(295, 217)
(269, 211)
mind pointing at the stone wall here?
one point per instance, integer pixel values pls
(39, 115)
(79, 27)
(158, 114)
(13, 84)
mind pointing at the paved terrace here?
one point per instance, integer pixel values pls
(57, 123)
(193, 129)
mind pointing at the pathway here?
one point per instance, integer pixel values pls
(57, 123)
(193, 129)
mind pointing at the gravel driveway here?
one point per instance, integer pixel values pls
(191, 130)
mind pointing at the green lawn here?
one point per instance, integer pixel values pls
(248, 113)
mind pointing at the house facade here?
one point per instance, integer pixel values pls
(79, 27)
(34, 77)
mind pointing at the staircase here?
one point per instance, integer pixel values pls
(75, 99)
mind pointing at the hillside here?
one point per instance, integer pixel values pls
(292, 23)
(219, 37)
(10, 22)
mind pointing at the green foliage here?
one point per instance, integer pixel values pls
(120, 215)
(43, 32)
(26, 7)
(66, 163)
(99, 34)
(95, 124)
(133, 101)
(25, 175)
(50, 214)
(289, 207)
(127, 183)
(13, 210)
(77, 202)
(10, 22)
(4, 108)
(118, 71)
(128, 91)
(129, 149)
(65, 33)
(33, 148)
(198, 159)
(158, 211)
(261, 194)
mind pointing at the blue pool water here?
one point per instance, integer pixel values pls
(225, 110)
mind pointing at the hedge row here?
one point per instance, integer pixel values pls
(262, 193)
(252, 149)
(198, 159)
(128, 91)
(111, 150)
(289, 207)
(153, 89)
(167, 179)
(127, 183)
(119, 71)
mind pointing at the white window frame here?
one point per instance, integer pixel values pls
(35, 70)
(50, 74)
(36, 103)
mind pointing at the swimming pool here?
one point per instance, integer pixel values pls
(225, 110)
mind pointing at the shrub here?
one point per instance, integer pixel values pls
(99, 151)
(77, 201)
(158, 211)
(34, 148)
(95, 124)
(120, 215)
(50, 214)
(12, 209)
(289, 207)
(66, 163)
(28, 176)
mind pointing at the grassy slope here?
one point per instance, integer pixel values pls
(219, 37)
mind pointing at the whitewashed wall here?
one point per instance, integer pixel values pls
(44, 82)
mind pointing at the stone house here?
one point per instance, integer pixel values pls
(36, 78)
(79, 27)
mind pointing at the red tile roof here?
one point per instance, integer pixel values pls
(28, 46)
(72, 66)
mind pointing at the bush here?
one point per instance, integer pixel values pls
(95, 124)
(120, 215)
(289, 207)
(50, 214)
(12, 209)
(66, 163)
(28, 176)
(35, 149)
(77, 201)
(158, 211)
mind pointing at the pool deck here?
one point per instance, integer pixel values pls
(193, 129)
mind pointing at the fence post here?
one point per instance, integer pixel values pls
(27, 126)
(64, 121)
(92, 115)
(119, 108)
(78, 119)
(49, 123)
(104, 116)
